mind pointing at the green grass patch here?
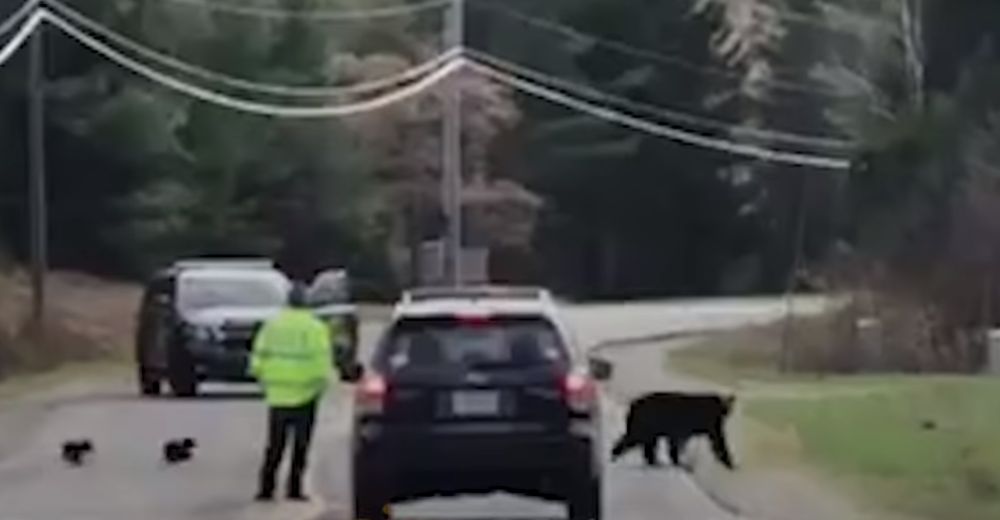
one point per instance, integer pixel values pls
(28, 384)
(927, 448)
(729, 357)
(921, 446)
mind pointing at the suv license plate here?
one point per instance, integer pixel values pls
(475, 403)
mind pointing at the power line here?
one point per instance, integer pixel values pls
(656, 111)
(15, 18)
(25, 32)
(402, 94)
(317, 15)
(676, 134)
(248, 106)
(366, 87)
(647, 54)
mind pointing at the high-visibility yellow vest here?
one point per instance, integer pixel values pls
(292, 358)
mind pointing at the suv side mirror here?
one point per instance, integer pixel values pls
(601, 369)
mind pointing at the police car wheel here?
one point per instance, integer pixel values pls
(369, 503)
(149, 382)
(183, 386)
(584, 502)
(366, 509)
(181, 376)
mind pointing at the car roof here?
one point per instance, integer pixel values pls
(225, 263)
(215, 265)
(521, 305)
(222, 273)
(476, 292)
(484, 300)
(457, 307)
(477, 300)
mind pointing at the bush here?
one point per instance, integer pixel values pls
(881, 334)
(88, 319)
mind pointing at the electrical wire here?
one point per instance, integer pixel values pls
(249, 106)
(166, 60)
(656, 111)
(676, 134)
(15, 18)
(646, 54)
(421, 86)
(16, 41)
(317, 14)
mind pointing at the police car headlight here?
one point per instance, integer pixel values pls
(205, 334)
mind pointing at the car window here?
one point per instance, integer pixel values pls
(203, 292)
(505, 342)
(330, 287)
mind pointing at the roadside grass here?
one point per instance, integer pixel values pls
(919, 446)
(64, 376)
(89, 321)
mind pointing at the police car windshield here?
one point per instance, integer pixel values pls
(202, 292)
(482, 343)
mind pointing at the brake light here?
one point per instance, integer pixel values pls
(370, 395)
(473, 320)
(580, 392)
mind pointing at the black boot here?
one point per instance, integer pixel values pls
(295, 492)
(297, 495)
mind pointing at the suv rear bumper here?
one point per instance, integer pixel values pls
(420, 463)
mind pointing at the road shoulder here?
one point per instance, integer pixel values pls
(27, 399)
(888, 446)
(769, 484)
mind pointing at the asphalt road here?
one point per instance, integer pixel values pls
(126, 480)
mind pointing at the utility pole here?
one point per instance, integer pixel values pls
(798, 257)
(911, 13)
(451, 185)
(37, 196)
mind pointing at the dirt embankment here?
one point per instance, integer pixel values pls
(89, 319)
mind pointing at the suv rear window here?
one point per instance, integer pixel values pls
(495, 342)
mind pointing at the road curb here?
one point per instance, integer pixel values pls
(699, 482)
(332, 512)
(636, 341)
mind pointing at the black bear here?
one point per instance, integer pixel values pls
(676, 417)
(76, 452)
(178, 450)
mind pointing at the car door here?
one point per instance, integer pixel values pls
(330, 295)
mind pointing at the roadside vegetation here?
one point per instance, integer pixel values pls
(90, 321)
(919, 446)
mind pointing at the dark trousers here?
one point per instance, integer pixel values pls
(281, 421)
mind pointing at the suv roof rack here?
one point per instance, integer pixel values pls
(225, 263)
(476, 293)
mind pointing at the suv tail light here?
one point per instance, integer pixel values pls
(580, 392)
(370, 394)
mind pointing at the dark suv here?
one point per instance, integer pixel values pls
(198, 318)
(472, 392)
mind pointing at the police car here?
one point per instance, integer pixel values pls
(198, 318)
(473, 391)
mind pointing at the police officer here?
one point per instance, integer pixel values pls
(292, 359)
